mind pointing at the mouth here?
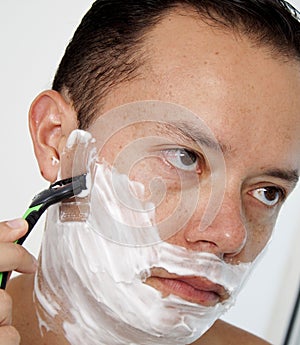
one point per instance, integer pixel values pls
(194, 289)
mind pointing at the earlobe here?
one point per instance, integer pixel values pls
(51, 120)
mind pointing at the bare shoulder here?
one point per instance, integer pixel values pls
(222, 333)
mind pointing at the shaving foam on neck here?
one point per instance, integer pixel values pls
(93, 289)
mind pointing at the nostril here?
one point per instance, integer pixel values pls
(224, 240)
(203, 246)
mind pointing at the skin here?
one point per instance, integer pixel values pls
(247, 97)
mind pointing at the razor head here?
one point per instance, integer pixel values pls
(60, 190)
(57, 192)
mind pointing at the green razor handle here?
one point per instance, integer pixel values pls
(57, 192)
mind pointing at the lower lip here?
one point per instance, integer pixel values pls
(186, 291)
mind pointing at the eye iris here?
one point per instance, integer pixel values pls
(271, 194)
(187, 157)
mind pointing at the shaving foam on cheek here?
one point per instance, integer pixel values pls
(96, 287)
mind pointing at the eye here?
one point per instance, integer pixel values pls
(182, 159)
(269, 196)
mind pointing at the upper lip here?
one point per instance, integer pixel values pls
(199, 283)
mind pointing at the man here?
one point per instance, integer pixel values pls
(232, 63)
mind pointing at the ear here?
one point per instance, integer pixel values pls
(51, 120)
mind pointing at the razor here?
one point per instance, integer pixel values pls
(57, 192)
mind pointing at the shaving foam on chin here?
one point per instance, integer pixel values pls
(94, 288)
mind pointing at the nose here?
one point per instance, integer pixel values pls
(223, 234)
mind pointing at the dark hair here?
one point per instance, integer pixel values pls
(105, 48)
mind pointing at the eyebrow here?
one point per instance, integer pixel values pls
(198, 136)
(291, 176)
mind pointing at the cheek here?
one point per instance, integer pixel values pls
(172, 193)
(163, 188)
(259, 232)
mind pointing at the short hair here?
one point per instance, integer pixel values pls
(105, 49)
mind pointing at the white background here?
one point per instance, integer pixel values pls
(33, 36)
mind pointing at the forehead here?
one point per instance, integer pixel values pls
(247, 96)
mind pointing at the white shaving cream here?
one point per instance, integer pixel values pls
(96, 286)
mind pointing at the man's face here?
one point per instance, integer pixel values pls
(250, 102)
